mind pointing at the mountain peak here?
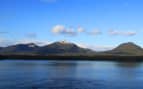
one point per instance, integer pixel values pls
(129, 43)
(32, 45)
(128, 48)
(62, 47)
(63, 42)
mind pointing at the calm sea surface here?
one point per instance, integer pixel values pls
(18, 74)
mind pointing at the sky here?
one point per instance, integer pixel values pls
(96, 24)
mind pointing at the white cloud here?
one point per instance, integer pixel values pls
(80, 29)
(122, 33)
(60, 29)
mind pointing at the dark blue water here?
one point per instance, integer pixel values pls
(16, 74)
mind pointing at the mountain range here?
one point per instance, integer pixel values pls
(33, 49)
(68, 48)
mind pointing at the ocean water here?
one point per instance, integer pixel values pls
(21, 74)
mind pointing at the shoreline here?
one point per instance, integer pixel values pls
(74, 58)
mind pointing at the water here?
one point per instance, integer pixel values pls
(18, 74)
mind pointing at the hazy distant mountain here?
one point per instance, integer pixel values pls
(19, 49)
(127, 49)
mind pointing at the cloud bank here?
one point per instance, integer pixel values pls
(62, 30)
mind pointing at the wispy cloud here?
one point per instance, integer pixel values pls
(31, 35)
(122, 33)
(62, 30)
(95, 32)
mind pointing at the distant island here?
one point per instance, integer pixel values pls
(70, 51)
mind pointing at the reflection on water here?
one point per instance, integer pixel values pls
(70, 75)
(128, 64)
(129, 70)
(63, 69)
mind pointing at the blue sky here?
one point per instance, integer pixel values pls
(98, 24)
